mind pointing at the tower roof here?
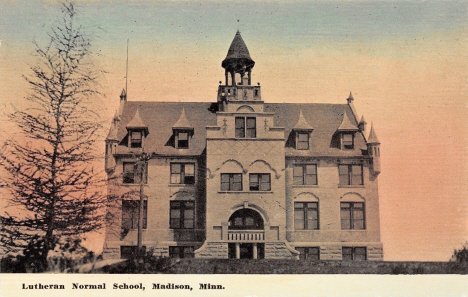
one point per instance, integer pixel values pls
(372, 136)
(113, 128)
(302, 123)
(238, 54)
(136, 122)
(346, 124)
(183, 122)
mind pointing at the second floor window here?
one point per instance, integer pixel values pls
(130, 214)
(231, 182)
(302, 140)
(246, 127)
(182, 173)
(136, 139)
(306, 216)
(352, 216)
(133, 172)
(305, 174)
(182, 215)
(260, 182)
(351, 174)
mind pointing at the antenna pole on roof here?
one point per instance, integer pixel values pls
(126, 74)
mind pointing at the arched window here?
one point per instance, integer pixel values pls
(245, 219)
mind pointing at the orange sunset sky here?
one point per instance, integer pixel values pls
(406, 63)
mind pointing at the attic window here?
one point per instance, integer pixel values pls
(302, 140)
(136, 139)
(347, 141)
(182, 140)
(256, 93)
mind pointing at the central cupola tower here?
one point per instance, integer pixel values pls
(238, 62)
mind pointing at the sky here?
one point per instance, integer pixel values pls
(406, 63)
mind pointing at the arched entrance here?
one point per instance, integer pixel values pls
(246, 229)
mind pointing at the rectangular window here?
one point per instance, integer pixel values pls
(354, 253)
(231, 182)
(260, 182)
(246, 127)
(351, 174)
(309, 253)
(135, 139)
(182, 215)
(306, 216)
(130, 251)
(348, 141)
(240, 127)
(182, 173)
(131, 214)
(132, 172)
(181, 251)
(302, 141)
(352, 216)
(305, 174)
(182, 140)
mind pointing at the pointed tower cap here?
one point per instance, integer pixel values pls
(137, 122)
(346, 124)
(238, 55)
(123, 94)
(302, 124)
(362, 121)
(183, 122)
(373, 136)
(112, 135)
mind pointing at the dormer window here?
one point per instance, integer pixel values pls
(137, 131)
(347, 141)
(302, 140)
(183, 131)
(136, 138)
(182, 139)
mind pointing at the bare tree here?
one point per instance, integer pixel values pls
(48, 165)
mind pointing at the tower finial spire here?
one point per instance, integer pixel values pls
(126, 72)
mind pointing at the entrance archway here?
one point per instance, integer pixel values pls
(246, 229)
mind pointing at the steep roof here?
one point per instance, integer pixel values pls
(183, 122)
(238, 49)
(373, 136)
(136, 122)
(302, 124)
(160, 116)
(346, 124)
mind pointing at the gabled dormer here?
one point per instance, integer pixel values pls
(302, 131)
(183, 132)
(137, 131)
(347, 131)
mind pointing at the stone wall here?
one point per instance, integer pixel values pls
(213, 250)
(278, 250)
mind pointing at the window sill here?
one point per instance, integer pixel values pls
(245, 192)
(351, 186)
(181, 185)
(354, 230)
(133, 184)
(305, 186)
(307, 230)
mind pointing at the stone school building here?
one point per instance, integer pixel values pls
(241, 178)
